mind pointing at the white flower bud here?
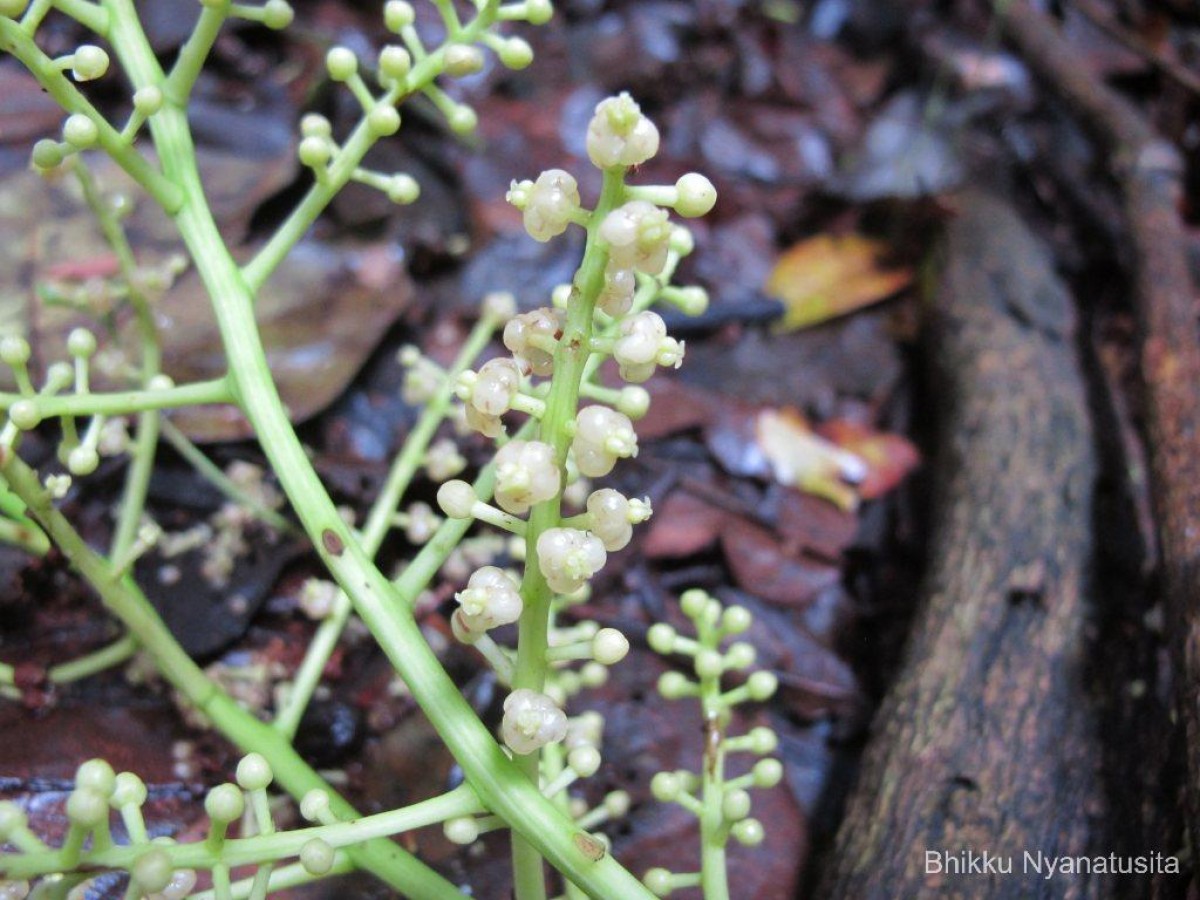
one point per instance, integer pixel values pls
(457, 499)
(89, 62)
(531, 720)
(394, 62)
(610, 518)
(422, 523)
(619, 135)
(526, 473)
(569, 557)
(318, 598)
(638, 236)
(398, 14)
(518, 193)
(644, 344)
(584, 730)
(697, 196)
(496, 384)
(443, 461)
(182, 883)
(548, 203)
(609, 646)
(616, 297)
(499, 305)
(490, 599)
(548, 323)
(602, 436)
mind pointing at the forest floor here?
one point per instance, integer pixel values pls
(792, 462)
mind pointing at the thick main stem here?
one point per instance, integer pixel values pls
(498, 783)
(570, 362)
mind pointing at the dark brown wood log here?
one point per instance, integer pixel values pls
(987, 740)
(1148, 173)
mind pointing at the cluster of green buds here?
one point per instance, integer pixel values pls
(98, 792)
(579, 655)
(404, 68)
(241, 832)
(721, 804)
(556, 351)
(80, 453)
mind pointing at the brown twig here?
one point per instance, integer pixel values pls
(1148, 172)
(1096, 14)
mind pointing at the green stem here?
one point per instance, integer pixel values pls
(14, 40)
(714, 834)
(281, 879)
(137, 479)
(378, 524)
(24, 534)
(179, 83)
(500, 785)
(264, 848)
(195, 457)
(86, 13)
(349, 158)
(118, 403)
(570, 360)
(125, 600)
(97, 661)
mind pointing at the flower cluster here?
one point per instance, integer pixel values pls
(714, 624)
(633, 250)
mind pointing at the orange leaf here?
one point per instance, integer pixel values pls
(889, 457)
(803, 459)
(830, 275)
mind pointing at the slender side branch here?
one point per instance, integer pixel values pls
(199, 393)
(259, 269)
(14, 40)
(125, 600)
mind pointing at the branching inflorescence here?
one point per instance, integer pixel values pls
(577, 428)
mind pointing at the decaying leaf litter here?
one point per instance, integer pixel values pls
(787, 465)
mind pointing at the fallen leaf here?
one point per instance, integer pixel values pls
(829, 275)
(803, 459)
(761, 566)
(889, 457)
(684, 526)
(321, 314)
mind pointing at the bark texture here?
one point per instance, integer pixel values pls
(1149, 173)
(987, 739)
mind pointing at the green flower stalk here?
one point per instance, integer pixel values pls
(577, 428)
(721, 804)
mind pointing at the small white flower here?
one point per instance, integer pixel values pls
(548, 203)
(602, 436)
(526, 473)
(488, 426)
(638, 236)
(644, 344)
(611, 518)
(569, 557)
(616, 297)
(443, 461)
(619, 135)
(490, 599)
(491, 390)
(531, 720)
(421, 524)
(318, 598)
(545, 322)
(457, 499)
